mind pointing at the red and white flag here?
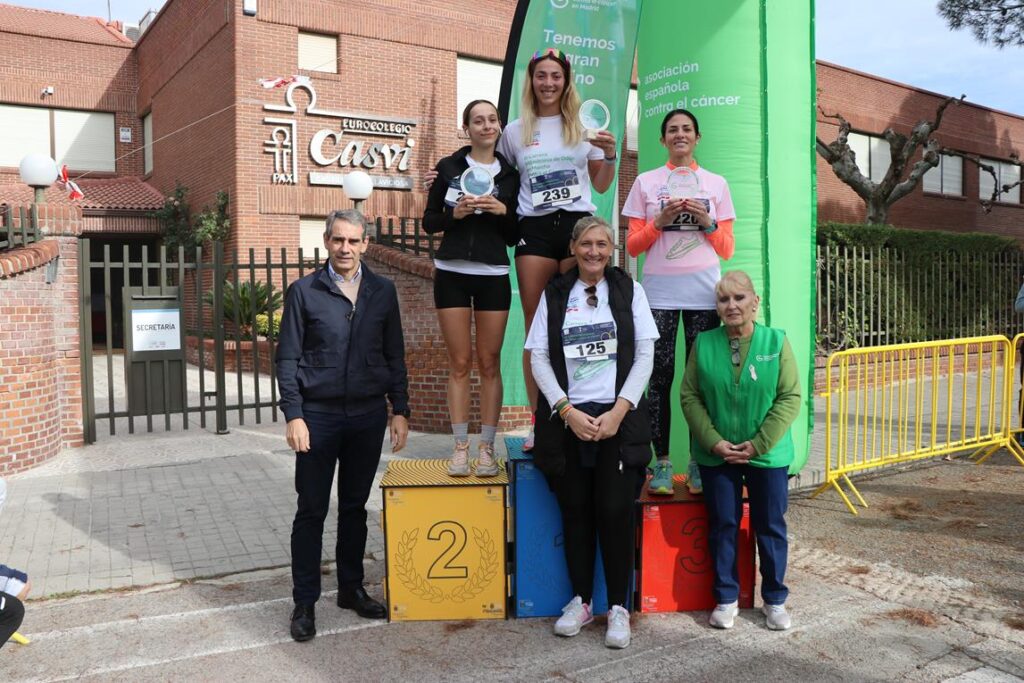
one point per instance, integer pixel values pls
(74, 191)
(281, 81)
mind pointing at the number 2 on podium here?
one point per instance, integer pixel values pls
(456, 534)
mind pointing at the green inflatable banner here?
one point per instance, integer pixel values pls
(599, 39)
(745, 68)
(746, 71)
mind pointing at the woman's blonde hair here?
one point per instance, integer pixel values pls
(734, 282)
(572, 130)
(588, 223)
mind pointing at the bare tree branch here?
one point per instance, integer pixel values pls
(997, 189)
(929, 161)
(898, 181)
(842, 159)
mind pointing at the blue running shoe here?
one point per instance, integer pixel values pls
(661, 482)
(693, 482)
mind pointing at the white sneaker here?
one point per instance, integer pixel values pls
(458, 466)
(777, 617)
(723, 616)
(617, 635)
(486, 465)
(575, 616)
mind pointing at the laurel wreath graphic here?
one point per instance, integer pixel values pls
(406, 571)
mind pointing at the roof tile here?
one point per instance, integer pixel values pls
(38, 22)
(125, 194)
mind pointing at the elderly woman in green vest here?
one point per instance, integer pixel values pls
(740, 394)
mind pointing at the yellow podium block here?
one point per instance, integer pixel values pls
(444, 542)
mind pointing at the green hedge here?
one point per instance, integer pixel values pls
(914, 242)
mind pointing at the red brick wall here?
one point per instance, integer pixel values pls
(40, 385)
(84, 76)
(872, 104)
(425, 352)
(186, 62)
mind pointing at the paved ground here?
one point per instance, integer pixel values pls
(892, 595)
(875, 598)
(152, 508)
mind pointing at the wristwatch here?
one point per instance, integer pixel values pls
(711, 228)
(406, 413)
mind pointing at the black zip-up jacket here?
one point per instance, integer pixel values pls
(338, 358)
(482, 237)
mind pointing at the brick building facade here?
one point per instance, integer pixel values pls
(871, 104)
(195, 72)
(385, 79)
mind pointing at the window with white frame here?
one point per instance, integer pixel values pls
(147, 143)
(632, 121)
(84, 140)
(311, 236)
(1007, 173)
(318, 52)
(947, 178)
(475, 80)
(872, 153)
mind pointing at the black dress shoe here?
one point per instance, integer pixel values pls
(357, 599)
(303, 622)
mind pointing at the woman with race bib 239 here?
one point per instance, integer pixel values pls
(558, 170)
(683, 239)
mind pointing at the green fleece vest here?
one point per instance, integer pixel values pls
(737, 409)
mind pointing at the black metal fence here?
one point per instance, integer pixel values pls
(871, 296)
(230, 307)
(866, 296)
(18, 226)
(408, 235)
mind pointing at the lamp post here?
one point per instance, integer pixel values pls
(358, 187)
(38, 171)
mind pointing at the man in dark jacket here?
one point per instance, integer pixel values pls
(341, 355)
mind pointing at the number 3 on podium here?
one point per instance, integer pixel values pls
(694, 556)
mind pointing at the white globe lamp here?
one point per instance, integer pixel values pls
(38, 171)
(358, 187)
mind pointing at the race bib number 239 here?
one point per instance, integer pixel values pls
(557, 188)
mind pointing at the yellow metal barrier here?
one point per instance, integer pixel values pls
(887, 405)
(1017, 368)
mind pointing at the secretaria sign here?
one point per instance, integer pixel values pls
(156, 329)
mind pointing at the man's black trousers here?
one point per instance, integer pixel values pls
(11, 614)
(354, 445)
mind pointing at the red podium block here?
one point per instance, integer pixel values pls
(676, 572)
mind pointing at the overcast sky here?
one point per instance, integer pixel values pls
(904, 40)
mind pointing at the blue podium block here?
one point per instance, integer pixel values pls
(540, 579)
